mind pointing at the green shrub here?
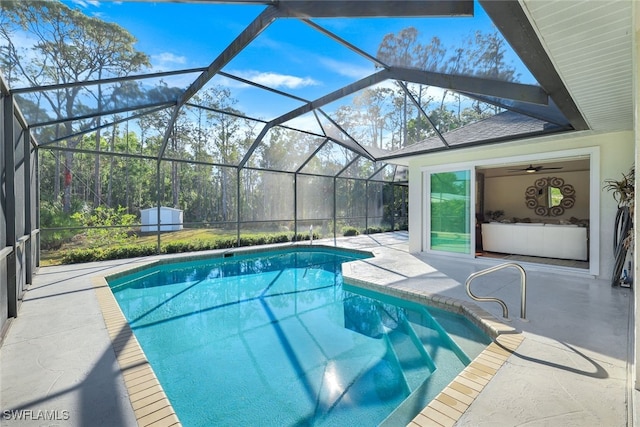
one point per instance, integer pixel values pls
(128, 251)
(75, 256)
(373, 230)
(279, 238)
(253, 240)
(175, 247)
(302, 237)
(52, 216)
(118, 218)
(131, 251)
(350, 231)
(81, 255)
(227, 243)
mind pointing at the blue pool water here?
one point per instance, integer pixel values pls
(276, 339)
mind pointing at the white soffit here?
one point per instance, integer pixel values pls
(590, 44)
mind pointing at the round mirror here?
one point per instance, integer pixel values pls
(550, 196)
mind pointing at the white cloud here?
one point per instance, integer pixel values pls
(86, 3)
(276, 80)
(166, 58)
(227, 82)
(347, 69)
(167, 61)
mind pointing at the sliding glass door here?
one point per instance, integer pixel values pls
(449, 217)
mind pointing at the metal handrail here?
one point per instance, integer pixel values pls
(523, 284)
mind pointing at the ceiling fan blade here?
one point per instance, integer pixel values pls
(532, 168)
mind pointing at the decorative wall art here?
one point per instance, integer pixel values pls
(550, 196)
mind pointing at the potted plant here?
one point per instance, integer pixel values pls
(623, 193)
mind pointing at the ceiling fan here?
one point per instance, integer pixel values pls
(533, 169)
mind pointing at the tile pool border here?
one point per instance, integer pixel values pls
(150, 404)
(152, 407)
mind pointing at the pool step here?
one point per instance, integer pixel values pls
(418, 399)
(414, 360)
(449, 358)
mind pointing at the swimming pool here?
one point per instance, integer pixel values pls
(276, 339)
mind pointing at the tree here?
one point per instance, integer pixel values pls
(400, 50)
(488, 57)
(373, 106)
(228, 140)
(68, 47)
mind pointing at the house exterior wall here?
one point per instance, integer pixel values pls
(614, 150)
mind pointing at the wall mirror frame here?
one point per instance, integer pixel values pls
(550, 196)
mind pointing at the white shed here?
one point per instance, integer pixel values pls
(169, 216)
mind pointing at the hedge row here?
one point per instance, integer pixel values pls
(352, 231)
(132, 251)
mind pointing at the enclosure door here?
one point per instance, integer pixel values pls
(449, 211)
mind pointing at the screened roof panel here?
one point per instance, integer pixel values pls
(382, 173)
(339, 135)
(284, 149)
(308, 122)
(247, 100)
(144, 124)
(427, 43)
(330, 160)
(92, 100)
(372, 116)
(450, 110)
(220, 137)
(398, 173)
(64, 134)
(177, 35)
(300, 65)
(308, 63)
(367, 170)
(362, 168)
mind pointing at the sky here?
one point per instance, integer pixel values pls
(289, 55)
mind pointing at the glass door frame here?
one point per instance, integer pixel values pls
(595, 189)
(427, 173)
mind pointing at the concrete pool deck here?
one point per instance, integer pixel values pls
(58, 365)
